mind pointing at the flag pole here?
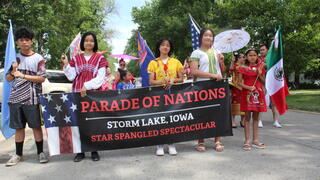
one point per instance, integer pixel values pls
(194, 21)
(68, 47)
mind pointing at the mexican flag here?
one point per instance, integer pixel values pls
(275, 81)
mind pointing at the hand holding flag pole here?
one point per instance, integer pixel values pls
(64, 59)
(259, 70)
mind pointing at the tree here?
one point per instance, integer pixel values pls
(298, 19)
(56, 23)
(131, 49)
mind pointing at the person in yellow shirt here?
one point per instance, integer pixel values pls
(165, 71)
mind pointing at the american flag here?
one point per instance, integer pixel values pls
(60, 114)
(195, 32)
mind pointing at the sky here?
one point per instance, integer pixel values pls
(121, 22)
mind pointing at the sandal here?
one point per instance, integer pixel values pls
(201, 147)
(218, 146)
(246, 147)
(258, 145)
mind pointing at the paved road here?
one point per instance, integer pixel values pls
(293, 152)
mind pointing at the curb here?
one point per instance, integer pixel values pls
(307, 112)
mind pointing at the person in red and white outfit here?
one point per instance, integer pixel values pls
(87, 72)
(251, 78)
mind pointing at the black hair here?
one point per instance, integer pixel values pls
(203, 30)
(95, 47)
(122, 73)
(247, 52)
(237, 56)
(121, 60)
(261, 45)
(24, 33)
(159, 42)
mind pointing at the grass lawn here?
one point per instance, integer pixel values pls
(304, 101)
(304, 90)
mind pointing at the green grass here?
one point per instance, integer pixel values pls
(303, 90)
(304, 101)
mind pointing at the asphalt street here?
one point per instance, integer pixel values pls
(293, 152)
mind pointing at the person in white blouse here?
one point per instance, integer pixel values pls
(207, 63)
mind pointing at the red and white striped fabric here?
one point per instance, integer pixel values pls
(63, 140)
(86, 70)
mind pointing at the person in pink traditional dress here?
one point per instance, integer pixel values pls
(87, 72)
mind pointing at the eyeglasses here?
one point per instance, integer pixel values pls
(122, 64)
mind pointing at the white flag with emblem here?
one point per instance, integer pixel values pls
(275, 80)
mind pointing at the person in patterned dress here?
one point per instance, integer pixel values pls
(237, 62)
(251, 78)
(87, 72)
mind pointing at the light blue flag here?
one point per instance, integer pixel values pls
(6, 88)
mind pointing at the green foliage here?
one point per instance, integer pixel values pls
(298, 19)
(304, 101)
(56, 23)
(313, 69)
(132, 50)
(134, 68)
(111, 62)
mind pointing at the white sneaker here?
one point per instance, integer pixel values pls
(172, 150)
(160, 151)
(260, 125)
(42, 158)
(277, 124)
(13, 160)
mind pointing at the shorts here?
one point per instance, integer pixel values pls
(21, 114)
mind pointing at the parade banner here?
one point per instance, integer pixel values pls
(137, 117)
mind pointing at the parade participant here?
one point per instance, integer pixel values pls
(108, 80)
(86, 71)
(251, 78)
(187, 70)
(237, 62)
(27, 75)
(207, 63)
(122, 65)
(263, 51)
(125, 77)
(275, 114)
(165, 71)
